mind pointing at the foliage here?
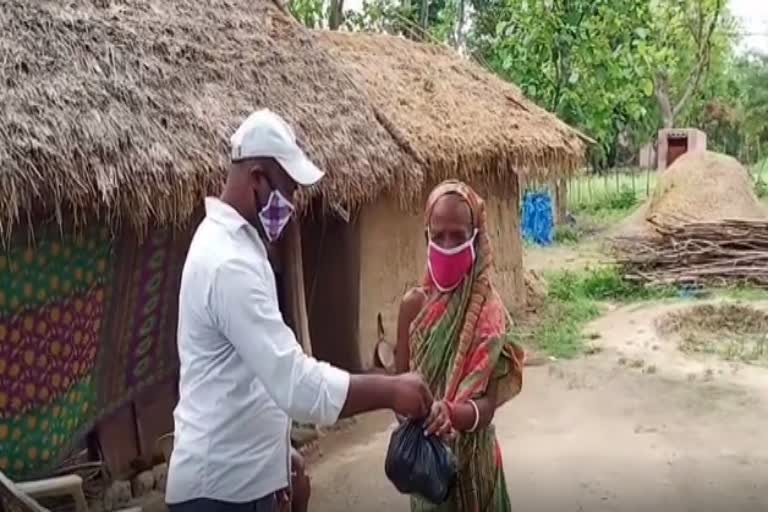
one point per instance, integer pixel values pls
(573, 299)
(558, 330)
(595, 193)
(752, 72)
(601, 65)
(378, 16)
(616, 201)
(567, 234)
(761, 189)
(759, 173)
(601, 284)
(605, 66)
(581, 59)
(625, 199)
(690, 37)
(403, 18)
(733, 108)
(312, 13)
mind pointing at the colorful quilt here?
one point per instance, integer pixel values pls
(85, 322)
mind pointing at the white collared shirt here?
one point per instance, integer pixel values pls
(243, 374)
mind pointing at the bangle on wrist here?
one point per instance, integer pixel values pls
(477, 416)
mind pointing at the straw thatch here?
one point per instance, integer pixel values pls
(458, 118)
(125, 107)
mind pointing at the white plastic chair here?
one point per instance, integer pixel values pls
(20, 497)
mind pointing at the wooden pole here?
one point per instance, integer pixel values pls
(561, 195)
(294, 274)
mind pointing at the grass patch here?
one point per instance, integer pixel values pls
(602, 218)
(567, 235)
(573, 300)
(598, 212)
(602, 284)
(617, 190)
(621, 200)
(558, 328)
(743, 293)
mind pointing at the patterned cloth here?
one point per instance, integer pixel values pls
(51, 307)
(142, 314)
(85, 323)
(460, 342)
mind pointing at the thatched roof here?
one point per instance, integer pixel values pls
(460, 119)
(126, 107)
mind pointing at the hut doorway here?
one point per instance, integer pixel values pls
(678, 146)
(331, 258)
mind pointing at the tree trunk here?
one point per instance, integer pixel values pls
(424, 19)
(661, 90)
(458, 39)
(336, 15)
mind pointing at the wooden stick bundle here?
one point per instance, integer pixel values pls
(697, 253)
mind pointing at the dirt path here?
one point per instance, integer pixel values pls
(601, 434)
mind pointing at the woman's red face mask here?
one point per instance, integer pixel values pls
(449, 267)
(451, 242)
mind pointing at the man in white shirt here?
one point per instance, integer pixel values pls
(243, 375)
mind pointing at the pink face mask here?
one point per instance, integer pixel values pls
(449, 266)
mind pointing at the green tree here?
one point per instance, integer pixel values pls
(317, 13)
(311, 13)
(688, 36)
(434, 20)
(753, 73)
(586, 60)
(733, 107)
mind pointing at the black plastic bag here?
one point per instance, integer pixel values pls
(419, 464)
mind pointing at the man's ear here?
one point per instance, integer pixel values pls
(256, 173)
(260, 178)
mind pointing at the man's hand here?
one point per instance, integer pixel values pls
(406, 394)
(411, 396)
(439, 422)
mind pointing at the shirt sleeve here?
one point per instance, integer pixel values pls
(249, 317)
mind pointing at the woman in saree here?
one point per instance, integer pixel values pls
(454, 330)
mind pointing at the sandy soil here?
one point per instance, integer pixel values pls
(638, 426)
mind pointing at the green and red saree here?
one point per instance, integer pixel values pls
(460, 343)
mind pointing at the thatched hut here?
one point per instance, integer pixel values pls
(116, 120)
(460, 121)
(116, 117)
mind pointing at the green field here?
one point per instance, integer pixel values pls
(621, 189)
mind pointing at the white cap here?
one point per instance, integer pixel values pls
(265, 134)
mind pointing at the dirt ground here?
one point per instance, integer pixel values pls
(637, 426)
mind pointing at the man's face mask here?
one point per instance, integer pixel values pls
(276, 214)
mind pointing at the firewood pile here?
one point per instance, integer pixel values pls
(714, 253)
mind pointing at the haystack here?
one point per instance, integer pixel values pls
(698, 187)
(702, 226)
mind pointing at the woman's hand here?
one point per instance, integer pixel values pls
(439, 421)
